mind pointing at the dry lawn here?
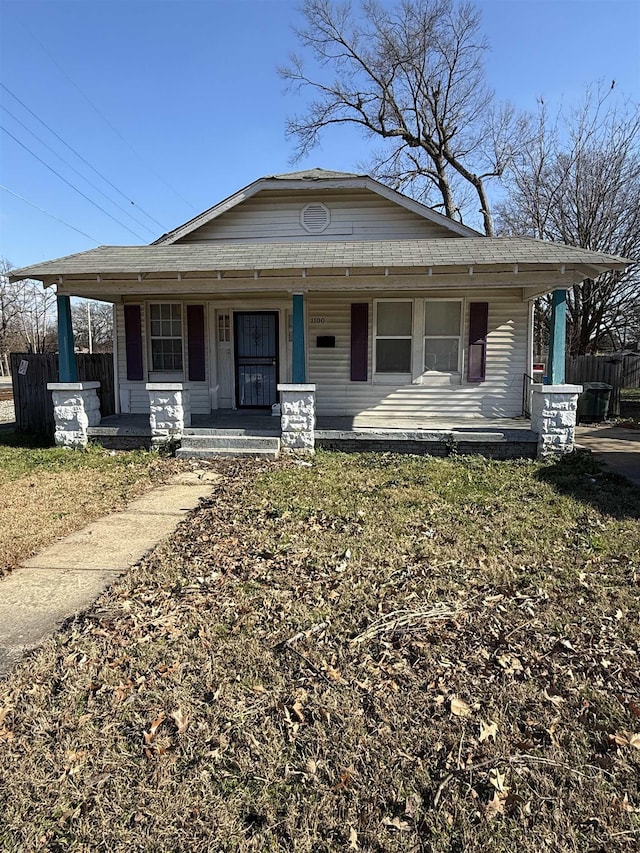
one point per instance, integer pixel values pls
(47, 492)
(369, 653)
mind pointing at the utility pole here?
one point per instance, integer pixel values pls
(89, 327)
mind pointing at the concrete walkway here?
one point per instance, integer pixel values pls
(617, 447)
(67, 577)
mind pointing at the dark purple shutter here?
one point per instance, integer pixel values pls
(133, 341)
(478, 327)
(195, 343)
(359, 341)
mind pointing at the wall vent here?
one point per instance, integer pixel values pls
(315, 217)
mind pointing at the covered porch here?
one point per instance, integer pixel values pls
(370, 343)
(499, 438)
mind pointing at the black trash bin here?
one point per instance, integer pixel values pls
(593, 403)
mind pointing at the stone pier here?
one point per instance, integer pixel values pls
(553, 417)
(298, 417)
(76, 407)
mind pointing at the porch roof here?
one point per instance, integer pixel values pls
(208, 258)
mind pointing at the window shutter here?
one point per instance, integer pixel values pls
(133, 341)
(195, 343)
(478, 327)
(359, 341)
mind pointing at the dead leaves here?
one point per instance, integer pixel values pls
(5, 732)
(153, 744)
(496, 805)
(624, 738)
(488, 731)
(181, 719)
(459, 707)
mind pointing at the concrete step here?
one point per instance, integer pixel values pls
(230, 442)
(208, 446)
(266, 432)
(220, 452)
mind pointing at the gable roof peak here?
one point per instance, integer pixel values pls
(290, 181)
(315, 174)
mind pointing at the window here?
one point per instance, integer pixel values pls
(224, 328)
(393, 337)
(166, 337)
(442, 321)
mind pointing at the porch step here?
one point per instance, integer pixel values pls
(207, 446)
(199, 432)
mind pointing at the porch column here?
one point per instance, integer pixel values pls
(67, 370)
(298, 372)
(557, 338)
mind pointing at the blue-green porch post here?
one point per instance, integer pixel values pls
(299, 371)
(67, 371)
(557, 337)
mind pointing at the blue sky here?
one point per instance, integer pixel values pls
(192, 91)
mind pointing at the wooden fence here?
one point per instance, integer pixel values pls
(615, 370)
(32, 401)
(631, 371)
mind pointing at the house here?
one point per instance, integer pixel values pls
(354, 300)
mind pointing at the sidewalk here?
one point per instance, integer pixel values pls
(617, 447)
(67, 577)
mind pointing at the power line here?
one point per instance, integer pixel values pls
(86, 162)
(73, 187)
(78, 172)
(50, 215)
(104, 118)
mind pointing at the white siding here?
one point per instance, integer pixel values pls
(500, 395)
(136, 391)
(355, 215)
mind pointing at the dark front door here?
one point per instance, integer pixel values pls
(256, 358)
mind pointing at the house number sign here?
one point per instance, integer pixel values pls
(318, 321)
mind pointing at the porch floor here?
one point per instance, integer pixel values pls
(259, 423)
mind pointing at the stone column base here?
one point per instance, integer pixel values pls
(298, 417)
(553, 417)
(75, 408)
(169, 411)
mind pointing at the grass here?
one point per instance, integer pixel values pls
(370, 653)
(48, 492)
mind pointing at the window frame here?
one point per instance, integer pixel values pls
(430, 372)
(152, 368)
(404, 377)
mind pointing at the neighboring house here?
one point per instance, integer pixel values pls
(388, 307)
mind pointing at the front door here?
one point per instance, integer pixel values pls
(256, 358)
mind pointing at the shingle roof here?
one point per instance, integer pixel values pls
(315, 175)
(211, 257)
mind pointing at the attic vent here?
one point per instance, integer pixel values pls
(315, 217)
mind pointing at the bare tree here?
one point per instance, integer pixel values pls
(411, 76)
(577, 181)
(27, 315)
(93, 325)
(8, 316)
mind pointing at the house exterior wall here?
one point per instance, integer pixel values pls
(432, 395)
(355, 215)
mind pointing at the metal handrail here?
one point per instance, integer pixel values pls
(526, 387)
